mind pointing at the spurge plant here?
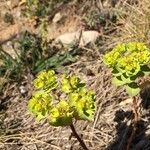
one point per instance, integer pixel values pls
(60, 100)
(129, 62)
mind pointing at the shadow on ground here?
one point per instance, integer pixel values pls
(141, 139)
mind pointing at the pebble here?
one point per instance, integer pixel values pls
(57, 17)
(70, 38)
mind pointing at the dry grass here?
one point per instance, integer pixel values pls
(135, 22)
(110, 129)
(22, 131)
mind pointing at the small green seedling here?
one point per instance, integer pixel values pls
(60, 100)
(128, 62)
(42, 8)
(8, 18)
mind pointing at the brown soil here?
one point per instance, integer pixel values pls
(112, 125)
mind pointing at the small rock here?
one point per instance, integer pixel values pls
(8, 3)
(14, 3)
(9, 49)
(57, 17)
(18, 14)
(88, 37)
(9, 32)
(22, 89)
(71, 38)
(68, 38)
(88, 72)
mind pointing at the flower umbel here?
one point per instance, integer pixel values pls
(40, 104)
(83, 103)
(45, 80)
(79, 102)
(128, 61)
(61, 114)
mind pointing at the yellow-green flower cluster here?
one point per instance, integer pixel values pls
(136, 47)
(45, 80)
(61, 114)
(83, 103)
(128, 65)
(128, 58)
(79, 103)
(40, 104)
(70, 83)
(112, 57)
(82, 100)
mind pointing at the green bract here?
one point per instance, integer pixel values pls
(79, 102)
(128, 62)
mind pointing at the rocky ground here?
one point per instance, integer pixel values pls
(112, 126)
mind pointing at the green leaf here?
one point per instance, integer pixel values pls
(132, 89)
(60, 121)
(145, 69)
(126, 79)
(115, 72)
(117, 81)
(139, 74)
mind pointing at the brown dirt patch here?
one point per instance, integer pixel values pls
(112, 125)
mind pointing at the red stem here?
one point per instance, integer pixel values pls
(78, 137)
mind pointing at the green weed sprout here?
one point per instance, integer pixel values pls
(60, 100)
(128, 62)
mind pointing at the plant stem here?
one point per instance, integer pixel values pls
(135, 107)
(78, 137)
